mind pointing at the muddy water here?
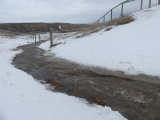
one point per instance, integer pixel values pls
(135, 100)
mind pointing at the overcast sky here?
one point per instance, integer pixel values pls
(69, 11)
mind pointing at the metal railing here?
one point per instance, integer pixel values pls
(125, 8)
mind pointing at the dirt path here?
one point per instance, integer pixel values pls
(135, 100)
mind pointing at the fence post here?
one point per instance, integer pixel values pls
(35, 39)
(111, 14)
(141, 4)
(104, 19)
(122, 10)
(51, 38)
(39, 37)
(149, 3)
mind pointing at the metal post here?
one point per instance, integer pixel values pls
(39, 37)
(158, 2)
(111, 14)
(51, 38)
(141, 4)
(122, 10)
(149, 3)
(35, 39)
(98, 22)
(104, 19)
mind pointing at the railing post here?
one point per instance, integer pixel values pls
(97, 22)
(111, 14)
(141, 4)
(104, 19)
(39, 37)
(122, 10)
(35, 39)
(149, 3)
(51, 38)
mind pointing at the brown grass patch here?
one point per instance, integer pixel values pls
(97, 27)
(97, 101)
(119, 21)
(71, 89)
(54, 83)
(7, 35)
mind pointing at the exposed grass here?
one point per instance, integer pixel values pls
(120, 21)
(7, 35)
(54, 83)
(97, 27)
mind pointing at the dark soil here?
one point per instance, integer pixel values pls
(135, 100)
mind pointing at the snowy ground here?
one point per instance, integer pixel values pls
(132, 48)
(22, 98)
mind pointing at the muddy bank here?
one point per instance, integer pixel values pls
(135, 100)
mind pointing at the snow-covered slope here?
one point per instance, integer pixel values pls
(22, 98)
(132, 48)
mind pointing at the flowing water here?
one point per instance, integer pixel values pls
(135, 100)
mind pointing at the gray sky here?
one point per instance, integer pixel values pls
(70, 11)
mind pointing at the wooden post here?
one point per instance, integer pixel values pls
(39, 37)
(122, 10)
(35, 39)
(51, 38)
(149, 3)
(104, 19)
(111, 14)
(141, 4)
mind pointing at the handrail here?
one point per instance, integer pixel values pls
(122, 11)
(112, 9)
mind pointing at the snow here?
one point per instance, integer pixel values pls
(23, 98)
(60, 27)
(132, 48)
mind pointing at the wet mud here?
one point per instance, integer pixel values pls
(135, 100)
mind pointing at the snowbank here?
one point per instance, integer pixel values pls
(132, 48)
(22, 98)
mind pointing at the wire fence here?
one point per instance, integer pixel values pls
(126, 8)
(39, 37)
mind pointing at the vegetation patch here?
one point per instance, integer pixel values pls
(97, 101)
(54, 83)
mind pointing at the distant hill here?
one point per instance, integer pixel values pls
(41, 27)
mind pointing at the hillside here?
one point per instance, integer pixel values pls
(132, 48)
(41, 27)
